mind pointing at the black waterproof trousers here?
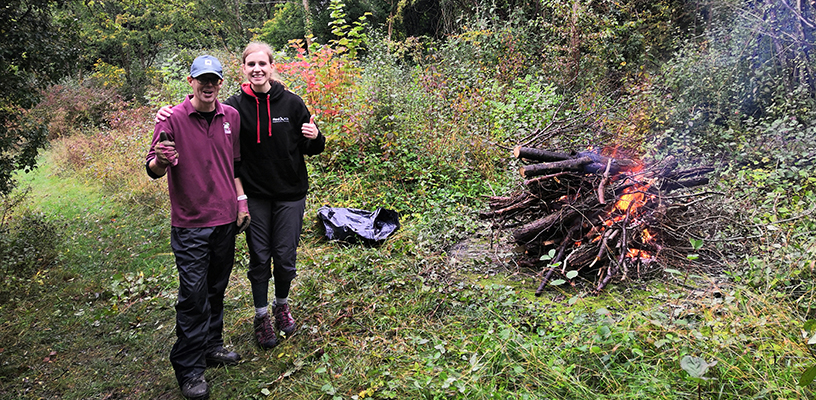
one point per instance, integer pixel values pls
(272, 237)
(204, 259)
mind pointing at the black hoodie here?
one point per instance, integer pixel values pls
(272, 143)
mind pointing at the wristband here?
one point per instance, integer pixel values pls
(242, 197)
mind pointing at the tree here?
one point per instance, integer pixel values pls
(287, 24)
(37, 49)
(131, 34)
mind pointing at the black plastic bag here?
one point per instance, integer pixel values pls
(349, 223)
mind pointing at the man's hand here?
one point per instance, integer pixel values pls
(310, 130)
(243, 216)
(163, 113)
(166, 154)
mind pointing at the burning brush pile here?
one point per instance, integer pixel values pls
(606, 218)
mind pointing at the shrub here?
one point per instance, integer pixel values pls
(28, 242)
(719, 88)
(71, 107)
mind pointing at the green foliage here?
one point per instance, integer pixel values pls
(128, 37)
(809, 374)
(37, 49)
(286, 25)
(721, 90)
(171, 86)
(422, 127)
(21, 138)
(28, 240)
(351, 38)
(527, 105)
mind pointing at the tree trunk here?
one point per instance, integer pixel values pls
(307, 24)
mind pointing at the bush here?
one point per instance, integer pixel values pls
(28, 243)
(70, 108)
(721, 89)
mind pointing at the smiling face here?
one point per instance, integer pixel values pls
(258, 70)
(205, 91)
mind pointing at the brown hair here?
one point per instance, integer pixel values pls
(254, 47)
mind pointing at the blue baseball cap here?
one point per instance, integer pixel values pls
(206, 64)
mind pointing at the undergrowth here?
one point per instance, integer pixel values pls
(439, 310)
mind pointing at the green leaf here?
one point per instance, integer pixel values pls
(549, 256)
(328, 389)
(572, 274)
(558, 282)
(812, 340)
(808, 376)
(696, 366)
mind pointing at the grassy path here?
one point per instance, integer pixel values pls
(386, 322)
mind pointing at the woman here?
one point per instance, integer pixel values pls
(277, 131)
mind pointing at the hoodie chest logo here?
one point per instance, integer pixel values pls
(280, 120)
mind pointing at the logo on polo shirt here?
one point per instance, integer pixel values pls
(227, 130)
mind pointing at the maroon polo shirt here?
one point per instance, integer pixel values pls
(202, 184)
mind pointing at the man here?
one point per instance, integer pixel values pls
(198, 149)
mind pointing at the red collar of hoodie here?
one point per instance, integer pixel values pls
(247, 88)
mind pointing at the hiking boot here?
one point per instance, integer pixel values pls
(284, 320)
(195, 388)
(264, 332)
(221, 356)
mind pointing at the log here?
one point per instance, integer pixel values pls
(571, 198)
(684, 184)
(539, 155)
(528, 232)
(576, 164)
(689, 173)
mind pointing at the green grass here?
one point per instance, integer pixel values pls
(396, 321)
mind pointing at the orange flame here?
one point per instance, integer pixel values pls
(632, 197)
(637, 253)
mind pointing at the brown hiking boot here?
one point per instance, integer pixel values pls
(264, 332)
(284, 320)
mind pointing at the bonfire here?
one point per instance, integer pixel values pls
(597, 216)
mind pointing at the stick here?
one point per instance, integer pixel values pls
(602, 185)
(558, 256)
(608, 235)
(528, 182)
